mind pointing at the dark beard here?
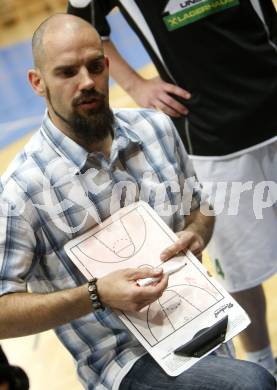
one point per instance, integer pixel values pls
(94, 127)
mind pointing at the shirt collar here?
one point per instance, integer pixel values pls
(124, 138)
(63, 145)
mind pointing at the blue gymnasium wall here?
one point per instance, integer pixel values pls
(20, 109)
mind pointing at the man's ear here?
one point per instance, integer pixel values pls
(107, 61)
(36, 81)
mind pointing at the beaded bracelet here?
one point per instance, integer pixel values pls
(93, 295)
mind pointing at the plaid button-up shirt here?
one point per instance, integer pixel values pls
(55, 190)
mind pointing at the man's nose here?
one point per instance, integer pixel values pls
(86, 79)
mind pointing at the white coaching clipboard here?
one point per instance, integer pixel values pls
(193, 303)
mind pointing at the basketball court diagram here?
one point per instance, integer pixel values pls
(118, 242)
(179, 305)
(135, 237)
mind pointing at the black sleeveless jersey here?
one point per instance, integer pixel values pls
(221, 51)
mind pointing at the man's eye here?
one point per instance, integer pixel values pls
(67, 72)
(96, 67)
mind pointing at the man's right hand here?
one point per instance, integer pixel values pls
(119, 289)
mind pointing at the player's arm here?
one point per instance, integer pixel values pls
(150, 93)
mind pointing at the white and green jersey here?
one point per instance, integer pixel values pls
(222, 51)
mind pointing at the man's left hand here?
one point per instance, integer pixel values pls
(188, 240)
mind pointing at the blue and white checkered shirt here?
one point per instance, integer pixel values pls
(55, 190)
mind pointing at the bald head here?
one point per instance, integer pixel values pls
(57, 27)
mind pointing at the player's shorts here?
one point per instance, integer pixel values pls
(243, 248)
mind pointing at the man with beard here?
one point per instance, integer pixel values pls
(60, 185)
(217, 65)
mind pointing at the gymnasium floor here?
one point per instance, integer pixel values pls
(47, 363)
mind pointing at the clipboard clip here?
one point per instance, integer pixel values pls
(205, 340)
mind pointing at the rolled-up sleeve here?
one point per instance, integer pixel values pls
(17, 247)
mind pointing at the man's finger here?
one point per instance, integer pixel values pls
(195, 247)
(181, 245)
(145, 272)
(167, 109)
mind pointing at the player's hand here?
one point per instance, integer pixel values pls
(187, 240)
(119, 289)
(156, 93)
